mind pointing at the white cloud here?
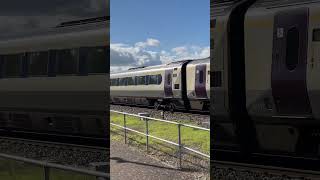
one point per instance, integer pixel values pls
(124, 56)
(149, 42)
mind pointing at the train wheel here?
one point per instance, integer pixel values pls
(156, 105)
(171, 107)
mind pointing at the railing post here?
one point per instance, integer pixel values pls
(180, 146)
(46, 173)
(12, 170)
(125, 128)
(147, 134)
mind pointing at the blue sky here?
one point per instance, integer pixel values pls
(152, 32)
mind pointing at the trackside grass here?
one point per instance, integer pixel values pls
(190, 137)
(15, 170)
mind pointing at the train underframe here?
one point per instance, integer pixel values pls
(170, 104)
(274, 135)
(66, 123)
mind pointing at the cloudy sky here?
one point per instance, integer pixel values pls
(152, 32)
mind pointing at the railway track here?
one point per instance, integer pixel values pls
(48, 144)
(55, 138)
(80, 156)
(222, 169)
(195, 112)
(299, 163)
(202, 120)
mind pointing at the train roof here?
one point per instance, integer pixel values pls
(279, 3)
(163, 66)
(221, 7)
(93, 32)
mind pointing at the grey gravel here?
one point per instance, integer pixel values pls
(66, 155)
(219, 173)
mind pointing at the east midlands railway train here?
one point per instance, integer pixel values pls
(54, 80)
(265, 73)
(177, 85)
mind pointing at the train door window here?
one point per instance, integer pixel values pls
(131, 81)
(12, 65)
(97, 60)
(67, 61)
(38, 63)
(159, 78)
(153, 79)
(169, 79)
(201, 76)
(292, 50)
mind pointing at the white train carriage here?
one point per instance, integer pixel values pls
(54, 80)
(149, 86)
(167, 85)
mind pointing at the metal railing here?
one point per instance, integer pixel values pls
(47, 166)
(147, 135)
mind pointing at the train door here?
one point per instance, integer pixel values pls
(289, 61)
(200, 81)
(168, 93)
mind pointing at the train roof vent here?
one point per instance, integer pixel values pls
(141, 67)
(84, 21)
(179, 62)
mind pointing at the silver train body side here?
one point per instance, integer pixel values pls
(265, 70)
(62, 97)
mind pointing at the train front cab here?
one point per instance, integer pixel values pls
(198, 84)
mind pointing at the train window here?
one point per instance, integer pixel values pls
(169, 79)
(201, 76)
(97, 60)
(176, 86)
(52, 63)
(292, 51)
(12, 65)
(153, 79)
(141, 80)
(122, 81)
(316, 35)
(131, 81)
(159, 77)
(38, 63)
(147, 80)
(67, 61)
(114, 82)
